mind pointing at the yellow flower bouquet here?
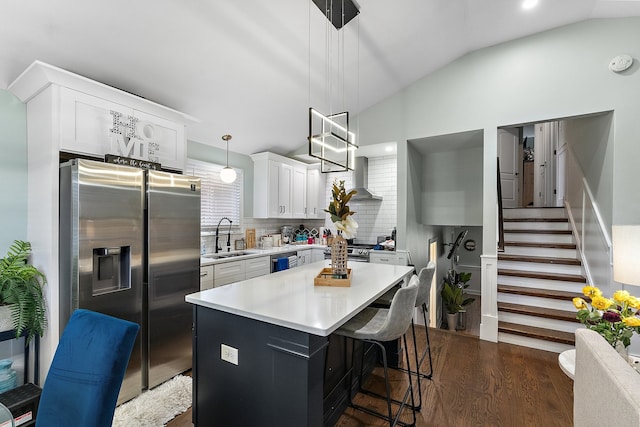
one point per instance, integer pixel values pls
(615, 318)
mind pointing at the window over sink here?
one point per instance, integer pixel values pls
(218, 198)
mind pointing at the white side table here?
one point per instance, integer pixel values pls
(567, 362)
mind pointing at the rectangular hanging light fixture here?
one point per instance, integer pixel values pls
(331, 141)
(340, 11)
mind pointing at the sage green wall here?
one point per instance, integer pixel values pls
(13, 170)
(452, 187)
(414, 236)
(207, 153)
(592, 144)
(555, 74)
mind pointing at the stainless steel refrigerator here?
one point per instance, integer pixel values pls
(130, 248)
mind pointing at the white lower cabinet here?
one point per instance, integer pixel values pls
(389, 257)
(317, 255)
(255, 267)
(206, 277)
(304, 257)
(236, 271)
(228, 272)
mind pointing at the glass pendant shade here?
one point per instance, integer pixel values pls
(228, 175)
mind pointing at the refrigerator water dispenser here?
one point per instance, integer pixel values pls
(111, 270)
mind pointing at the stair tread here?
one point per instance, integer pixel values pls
(540, 259)
(536, 332)
(534, 231)
(542, 245)
(536, 220)
(547, 313)
(543, 275)
(541, 293)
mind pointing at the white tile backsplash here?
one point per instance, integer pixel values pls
(262, 226)
(374, 217)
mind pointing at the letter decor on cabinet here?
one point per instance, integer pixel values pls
(91, 125)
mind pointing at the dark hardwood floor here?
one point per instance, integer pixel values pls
(475, 383)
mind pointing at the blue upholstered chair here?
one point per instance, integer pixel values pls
(84, 380)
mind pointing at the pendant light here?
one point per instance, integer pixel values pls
(227, 174)
(330, 138)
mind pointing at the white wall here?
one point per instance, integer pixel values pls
(555, 74)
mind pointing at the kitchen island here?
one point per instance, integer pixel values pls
(274, 332)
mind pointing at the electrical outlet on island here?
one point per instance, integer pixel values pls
(229, 354)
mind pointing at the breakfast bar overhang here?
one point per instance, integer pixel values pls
(260, 345)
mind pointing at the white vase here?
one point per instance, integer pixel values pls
(452, 321)
(6, 324)
(622, 351)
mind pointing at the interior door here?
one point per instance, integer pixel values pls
(546, 137)
(561, 174)
(540, 162)
(509, 166)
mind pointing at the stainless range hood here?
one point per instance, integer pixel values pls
(361, 177)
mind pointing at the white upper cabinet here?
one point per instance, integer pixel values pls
(94, 119)
(95, 126)
(316, 183)
(279, 187)
(279, 192)
(299, 192)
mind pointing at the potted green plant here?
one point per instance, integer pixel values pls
(453, 296)
(21, 288)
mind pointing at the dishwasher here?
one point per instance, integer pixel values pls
(283, 261)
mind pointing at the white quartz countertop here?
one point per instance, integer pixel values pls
(254, 253)
(290, 299)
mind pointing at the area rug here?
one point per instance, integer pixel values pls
(154, 408)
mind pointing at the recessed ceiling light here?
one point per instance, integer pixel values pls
(529, 4)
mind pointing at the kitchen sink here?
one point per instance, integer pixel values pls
(220, 255)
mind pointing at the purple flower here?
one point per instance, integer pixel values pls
(611, 316)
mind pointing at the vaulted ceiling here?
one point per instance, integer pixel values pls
(252, 68)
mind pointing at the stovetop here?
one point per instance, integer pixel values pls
(356, 250)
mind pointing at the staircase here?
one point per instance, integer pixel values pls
(538, 274)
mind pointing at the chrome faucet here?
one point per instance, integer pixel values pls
(218, 248)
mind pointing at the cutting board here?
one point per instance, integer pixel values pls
(250, 237)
